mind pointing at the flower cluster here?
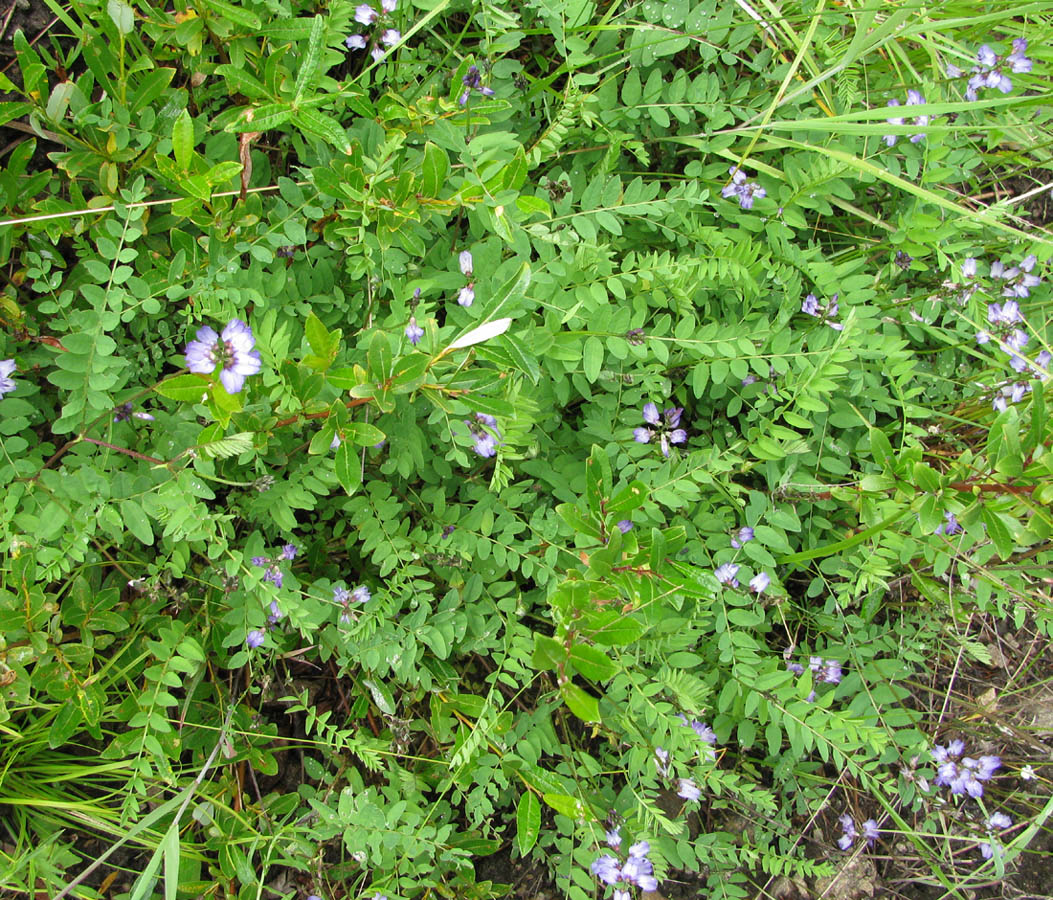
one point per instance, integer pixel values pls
(743, 536)
(466, 295)
(636, 870)
(727, 574)
(1018, 279)
(962, 774)
(812, 307)
(669, 431)
(1006, 326)
(871, 832)
(344, 598)
(274, 572)
(7, 383)
(746, 191)
(473, 81)
(998, 821)
(386, 36)
(484, 443)
(990, 71)
(913, 99)
(826, 671)
(232, 351)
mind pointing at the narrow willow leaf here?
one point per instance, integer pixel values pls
(528, 822)
(483, 333)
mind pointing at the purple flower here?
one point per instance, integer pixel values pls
(473, 81)
(466, 295)
(289, 551)
(812, 307)
(355, 42)
(624, 526)
(890, 139)
(276, 614)
(687, 789)
(968, 267)
(484, 443)
(465, 261)
(448, 530)
(832, 672)
(613, 837)
(7, 383)
(999, 820)
(378, 53)
(365, 14)
(233, 350)
(726, 574)
(486, 419)
(951, 526)
(759, 582)
(744, 536)
(361, 594)
(341, 595)
(254, 639)
(606, 869)
(665, 424)
(390, 36)
(795, 667)
(620, 894)
(388, 6)
(274, 575)
(739, 187)
(914, 98)
(848, 826)
(414, 332)
(871, 831)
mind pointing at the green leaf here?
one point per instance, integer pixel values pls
(226, 447)
(183, 140)
(363, 434)
(611, 628)
(574, 517)
(261, 118)
(323, 126)
(309, 64)
(594, 664)
(566, 805)
(136, 521)
(881, 449)
(997, 532)
(582, 704)
(627, 499)
(122, 14)
(348, 468)
(592, 358)
(548, 653)
(246, 18)
(528, 822)
(436, 167)
(170, 849)
(381, 696)
(188, 388)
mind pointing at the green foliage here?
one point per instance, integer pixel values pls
(479, 654)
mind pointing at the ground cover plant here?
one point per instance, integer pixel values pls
(567, 449)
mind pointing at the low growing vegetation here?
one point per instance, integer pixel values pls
(455, 449)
